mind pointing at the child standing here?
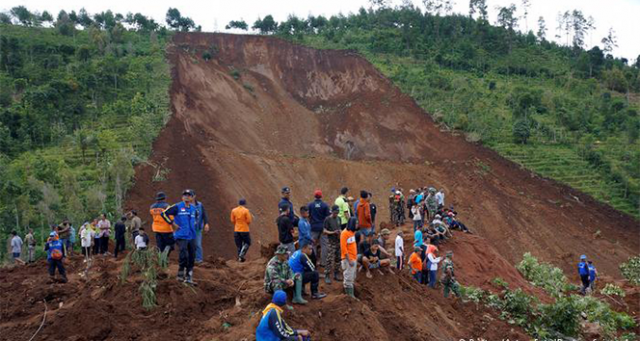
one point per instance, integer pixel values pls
(399, 251)
(415, 262)
(141, 240)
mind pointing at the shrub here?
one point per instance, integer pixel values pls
(631, 270)
(612, 290)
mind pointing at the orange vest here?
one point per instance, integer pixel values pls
(159, 224)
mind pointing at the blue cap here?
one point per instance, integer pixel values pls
(279, 298)
(583, 257)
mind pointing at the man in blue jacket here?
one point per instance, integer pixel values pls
(305, 272)
(273, 328)
(304, 228)
(318, 212)
(583, 271)
(55, 254)
(202, 223)
(185, 217)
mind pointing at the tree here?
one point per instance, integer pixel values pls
(438, 6)
(177, 22)
(525, 7)
(521, 131)
(266, 25)
(379, 3)
(5, 18)
(46, 17)
(579, 25)
(241, 24)
(84, 19)
(508, 20)
(542, 29)
(610, 41)
(65, 26)
(23, 15)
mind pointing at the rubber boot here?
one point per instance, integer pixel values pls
(327, 278)
(181, 275)
(297, 298)
(351, 293)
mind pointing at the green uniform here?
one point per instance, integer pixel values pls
(276, 274)
(432, 205)
(449, 279)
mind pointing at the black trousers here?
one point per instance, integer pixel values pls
(53, 264)
(311, 277)
(242, 238)
(187, 254)
(119, 246)
(96, 245)
(165, 240)
(104, 244)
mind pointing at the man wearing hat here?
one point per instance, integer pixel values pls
(286, 200)
(278, 274)
(383, 238)
(583, 271)
(331, 253)
(318, 212)
(273, 327)
(305, 272)
(448, 276)
(285, 229)
(241, 219)
(55, 254)
(183, 218)
(162, 229)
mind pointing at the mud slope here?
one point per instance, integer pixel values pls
(264, 113)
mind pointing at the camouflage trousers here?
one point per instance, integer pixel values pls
(332, 259)
(450, 284)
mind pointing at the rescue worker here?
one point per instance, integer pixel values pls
(449, 277)
(278, 274)
(241, 219)
(286, 200)
(305, 272)
(162, 229)
(285, 229)
(331, 254)
(593, 274)
(55, 254)
(431, 203)
(183, 216)
(273, 328)
(583, 271)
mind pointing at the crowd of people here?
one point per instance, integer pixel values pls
(342, 240)
(339, 238)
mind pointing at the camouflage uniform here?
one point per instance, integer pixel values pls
(432, 205)
(449, 278)
(333, 256)
(276, 274)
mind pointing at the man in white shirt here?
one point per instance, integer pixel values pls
(399, 251)
(440, 198)
(433, 268)
(87, 235)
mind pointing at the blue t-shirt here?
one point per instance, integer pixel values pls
(583, 269)
(417, 238)
(592, 272)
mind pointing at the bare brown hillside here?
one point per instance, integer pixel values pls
(265, 113)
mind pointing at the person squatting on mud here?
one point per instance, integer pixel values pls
(241, 219)
(183, 216)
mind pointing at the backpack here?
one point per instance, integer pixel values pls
(56, 254)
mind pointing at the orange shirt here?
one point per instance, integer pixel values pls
(348, 245)
(241, 219)
(415, 262)
(364, 214)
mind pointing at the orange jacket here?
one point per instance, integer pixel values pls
(159, 224)
(364, 214)
(415, 262)
(348, 245)
(241, 219)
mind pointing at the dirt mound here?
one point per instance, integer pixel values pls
(265, 113)
(226, 305)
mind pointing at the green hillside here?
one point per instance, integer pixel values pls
(80, 104)
(561, 111)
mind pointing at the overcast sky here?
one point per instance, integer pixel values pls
(213, 15)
